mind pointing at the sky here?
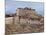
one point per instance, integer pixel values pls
(12, 5)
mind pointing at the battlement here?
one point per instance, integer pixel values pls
(26, 8)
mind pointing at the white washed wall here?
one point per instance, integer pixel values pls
(9, 20)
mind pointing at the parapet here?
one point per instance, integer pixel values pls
(26, 8)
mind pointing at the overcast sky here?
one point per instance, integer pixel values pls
(12, 5)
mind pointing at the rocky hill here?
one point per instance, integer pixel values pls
(26, 20)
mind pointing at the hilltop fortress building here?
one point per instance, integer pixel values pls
(25, 15)
(24, 11)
